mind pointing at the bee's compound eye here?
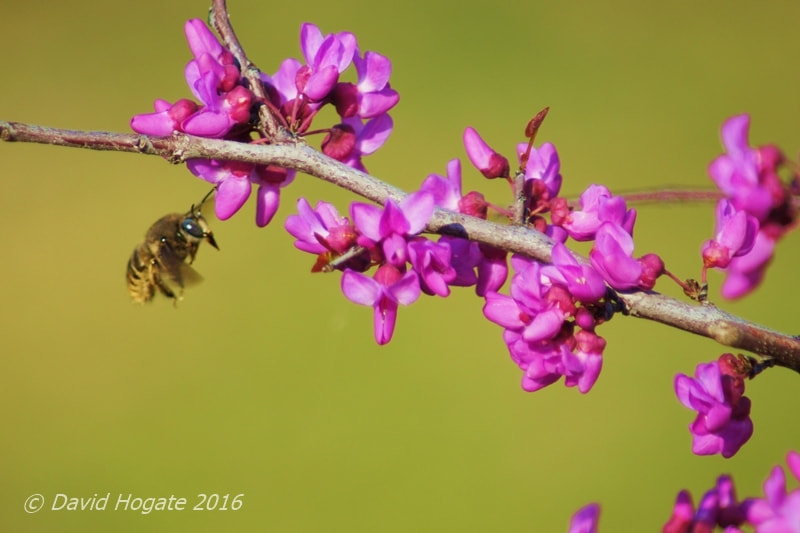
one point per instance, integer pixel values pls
(190, 226)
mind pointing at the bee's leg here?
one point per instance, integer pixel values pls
(155, 277)
(192, 251)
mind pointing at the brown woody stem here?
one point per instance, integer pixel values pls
(706, 320)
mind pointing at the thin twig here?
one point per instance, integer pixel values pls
(268, 125)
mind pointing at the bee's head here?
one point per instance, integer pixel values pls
(196, 226)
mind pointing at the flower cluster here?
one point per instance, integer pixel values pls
(716, 392)
(383, 237)
(549, 320)
(295, 94)
(756, 211)
(777, 512)
(550, 314)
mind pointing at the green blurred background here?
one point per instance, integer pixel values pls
(266, 381)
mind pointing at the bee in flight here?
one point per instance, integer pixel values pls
(161, 262)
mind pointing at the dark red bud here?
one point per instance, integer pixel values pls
(535, 123)
(498, 167)
(474, 204)
(344, 97)
(652, 268)
(340, 142)
(272, 174)
(182, 109)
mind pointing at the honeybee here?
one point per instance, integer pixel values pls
(161, 262)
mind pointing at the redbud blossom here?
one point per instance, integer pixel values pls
(326, 57)
(320, 229)
(735, 236)
(779, 511)
(598, 205)
(385, 292)
(490, 163)
(585, 519)
(723, 422)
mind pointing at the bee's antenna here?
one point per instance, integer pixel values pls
(206, 197)
(197, 208)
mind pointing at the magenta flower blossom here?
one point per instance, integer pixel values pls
(545, 362)
(221, 112)
(527, 311)
(326, 57)
(718, 508)
(446, 191)
(723, 422)
(542, 363)
(750, 179)
(375, 94)
(736, 172)
(431, 261)
(745, 272)
(612, 257)
(582, 366)
(167, 118)
(581, 280)
(779, 511)
(234, 184)
(682, 514)
(270, 181)
(585, 519)
(213, 78)
(349, 141)
(391, 225)
(492, 269)
(735, 236)
(372, 95)
(385, 292)
(283, 82)
(598, 205)
(321, 229)
(544, 165)
(464, 257)
(538, 326)
(490, 163)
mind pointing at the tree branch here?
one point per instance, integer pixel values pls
(705, 320)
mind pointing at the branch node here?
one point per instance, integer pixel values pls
(144, 145)
(725, 333)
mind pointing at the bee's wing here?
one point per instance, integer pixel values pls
(174, 270)
(189, 275)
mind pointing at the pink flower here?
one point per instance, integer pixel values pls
(735, 236)
(723, 422)
(490, 163)
(385, 292)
